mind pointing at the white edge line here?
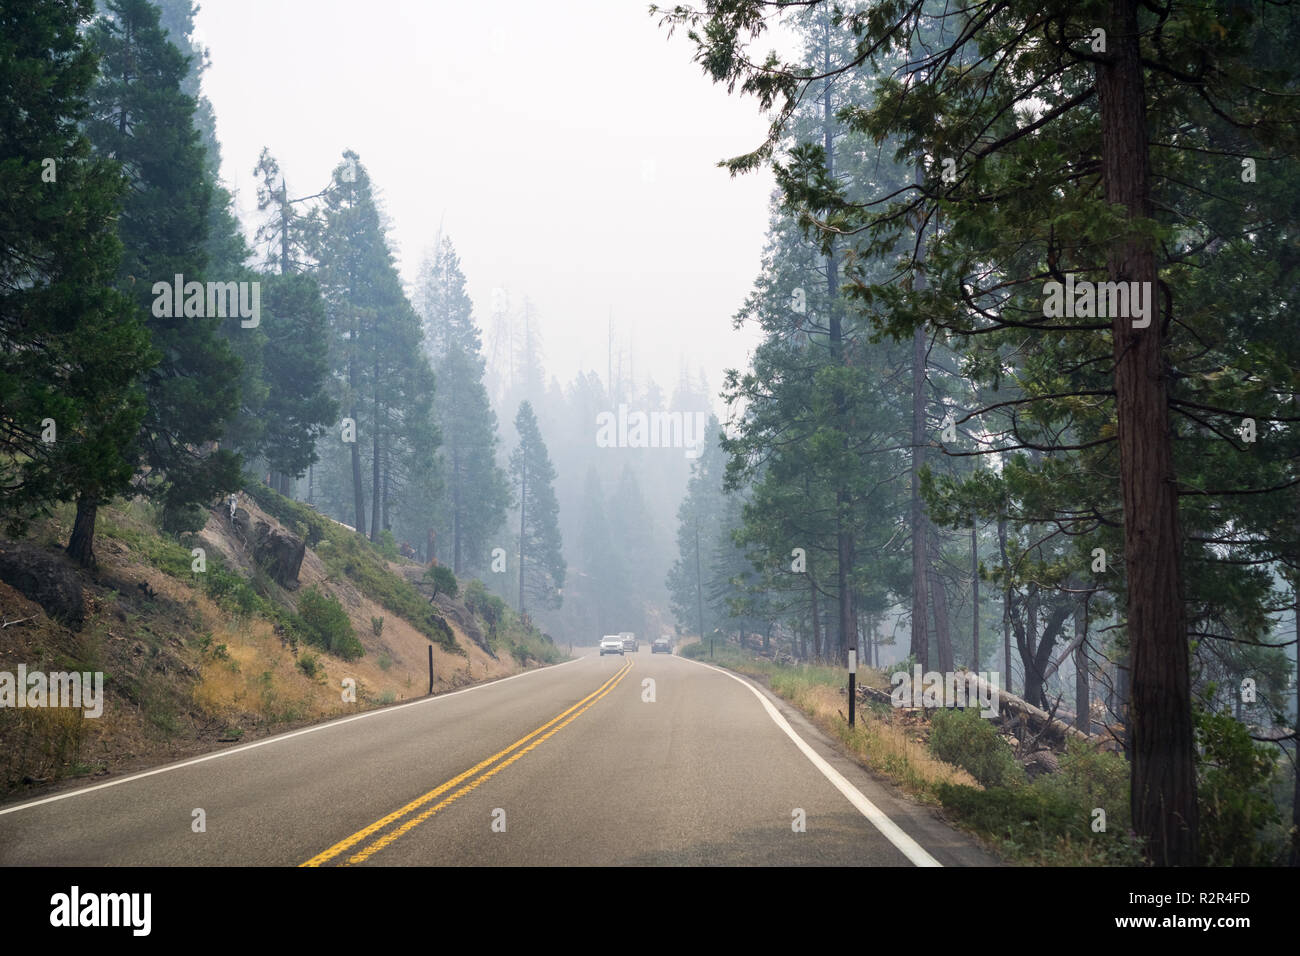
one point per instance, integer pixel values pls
(336, 722)
(877, 817)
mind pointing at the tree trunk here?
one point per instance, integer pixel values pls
(455, 510)
(816, 623)
(1295, 763)
(847, 629)
(375, 491)
(1029, 650)
(358, 491)
(848, 624)
(388, 470)
(1163, 787)
(523, 510)
(939, 597)
(1082, 698)
(1006, 605)
(920, 635)
(975, 596)
(81, 545)
(284, 227)
(699, 581)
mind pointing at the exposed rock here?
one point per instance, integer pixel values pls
(279, 554)
(465, 621)
(244, 527)
(48, 580)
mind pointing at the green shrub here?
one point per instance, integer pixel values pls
(484, 604)
(444, 581)
(387, 545)
(1234, 775)
(309, 664)
(326, 624)
(183, 519)
(1029, 817)
(232, 591)
(377, 625)
(1091, 777)
(967, 740)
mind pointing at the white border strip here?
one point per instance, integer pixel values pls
(337, 722)
(877, 817)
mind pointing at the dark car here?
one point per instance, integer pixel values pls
(661, 645)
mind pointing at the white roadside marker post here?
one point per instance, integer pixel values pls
(853, 691)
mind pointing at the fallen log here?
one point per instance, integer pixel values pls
(1010, 707)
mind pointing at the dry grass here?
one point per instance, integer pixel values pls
(892, 744)
(889, 745)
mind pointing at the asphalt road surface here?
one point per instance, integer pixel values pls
(637, 760)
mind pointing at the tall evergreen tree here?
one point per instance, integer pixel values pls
(445, 306)
(140, 117)
(297, 408)
(701, 533)
(374, 332)
(477, 491)
(541, 557)
(72, 347)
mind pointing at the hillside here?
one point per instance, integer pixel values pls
(194, 661)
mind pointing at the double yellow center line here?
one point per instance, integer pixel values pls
(474, 775)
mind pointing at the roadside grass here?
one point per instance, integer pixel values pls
(527, 644)
(193, 657)
(130, 524)
(880, 740)
(1049, 822)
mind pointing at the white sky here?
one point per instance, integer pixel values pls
(569, 149)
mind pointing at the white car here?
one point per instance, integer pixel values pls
(611, 644)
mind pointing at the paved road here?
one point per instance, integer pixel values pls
(570, 765)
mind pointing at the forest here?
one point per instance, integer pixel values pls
(1023, 397)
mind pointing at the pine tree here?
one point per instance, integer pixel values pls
(541, 557)
(477, 492)
(297, 408)
(71, 346)
(700, 532)
(445, 305)
(141, 118)
(367, 312)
